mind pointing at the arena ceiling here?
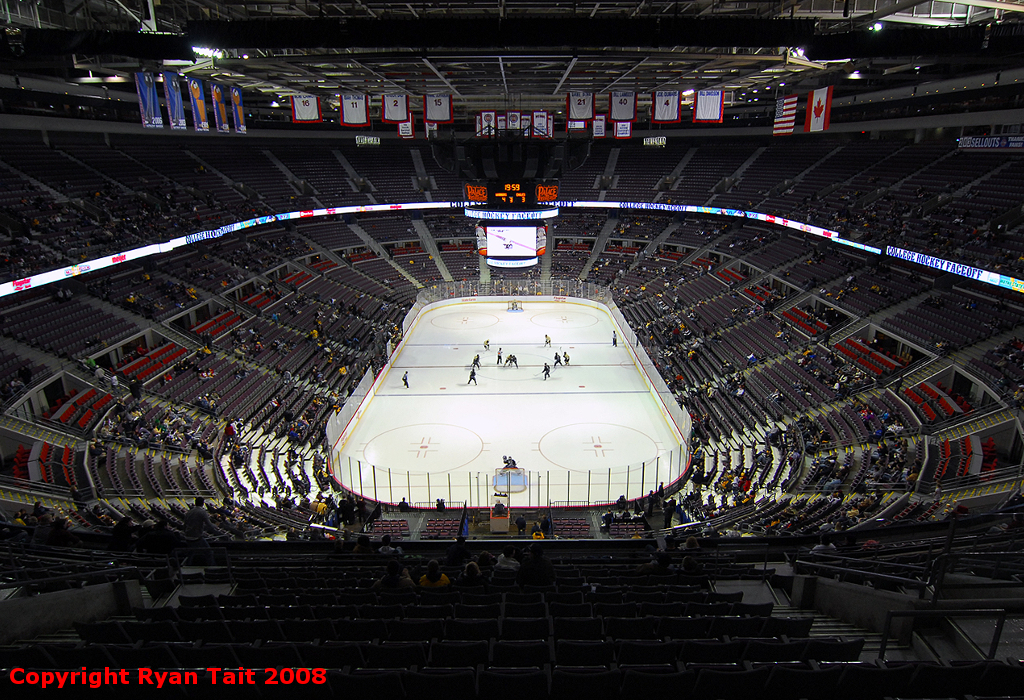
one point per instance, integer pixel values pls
(519, 54)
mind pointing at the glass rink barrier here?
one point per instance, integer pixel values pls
(529, 488)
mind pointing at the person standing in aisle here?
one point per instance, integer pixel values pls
(405, 380)
(547, 371)
(615, 340)
(476, 362)
(547, 341)
(499, 356)
(472, 376)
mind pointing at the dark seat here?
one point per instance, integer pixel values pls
(662, 609)
(471, 629)
(825, 649)
(736, 626)
(145, 656)
(788, 682)
(415, 630)
(440, 596)
(578, 628)
(78, 655)
(165, 631)
(520, 653)
(155, 614)
(752, 609)
(616, 609)
(524, 598)
(332, 654)
(525, 628)
(714, 684)
(481, 598)
(634, 652)
(774, 650)
(525, 609)
(512, 684)
(424, 683)
(712, 651)
(274, 655)
(248, 632)
(491, 611)
(109, 632)
(420, 612)
(631, 627)
(788, 626)
(452, 654)
(307, 630)
(396, 655)
(584, 682)
(652, 683)
(576, 652)
(198, 601)
(366, 683)
(360, 630)
(571, 609)
(933, 681)
(684, 627)
(563, 597)
(380, 612)
(864, 681)
(206, 655)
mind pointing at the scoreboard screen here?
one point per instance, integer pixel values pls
(511, 195)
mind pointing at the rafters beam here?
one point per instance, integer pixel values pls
(565, 75)
(443, 79)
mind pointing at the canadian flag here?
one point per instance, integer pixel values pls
(819, 107)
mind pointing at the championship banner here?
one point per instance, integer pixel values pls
(819, 109)
(438, 109)
(394, 109)
(665, 107)
(623, 130)
(406, 130)
(502, 122)
(622, 106)
(579, 106)
(175, 106)
(514, 120)
(220, 109)
(599, 126)
(709, 106)
(354, 110)
(488, 122)
(541, 125)
(306, 109)
(237, 111)
(526, 123)
(149, 103)
(429, 128)
(785, 115)
(199, 118)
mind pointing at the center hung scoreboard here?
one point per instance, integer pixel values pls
(512, 218)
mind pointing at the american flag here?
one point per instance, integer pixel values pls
(785, 115)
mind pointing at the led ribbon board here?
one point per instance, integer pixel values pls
(44, 278)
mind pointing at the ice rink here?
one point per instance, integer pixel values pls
(590, 432)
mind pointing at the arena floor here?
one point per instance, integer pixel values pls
(574, 433)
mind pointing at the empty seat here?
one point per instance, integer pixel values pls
(458, 653)
(578, 652)
(472, 629)
(526, 628)
(520, 653)
(396, 655)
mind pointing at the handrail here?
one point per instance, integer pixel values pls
(920, 586)
(998, 613)
(67, 577)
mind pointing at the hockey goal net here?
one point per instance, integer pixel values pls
(515, 305)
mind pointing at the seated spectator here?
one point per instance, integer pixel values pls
(157, 539)
(61, 536)
(471, 577)
(434, 578)
(457, 554)
(387, 549)
(362, 545)
(507, 560)
(661, 564)
(536, 569)
(395, 577)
